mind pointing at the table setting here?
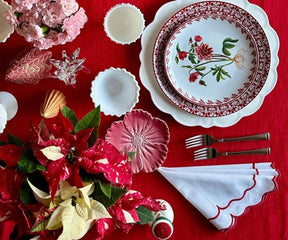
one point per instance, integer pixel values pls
(143, 119)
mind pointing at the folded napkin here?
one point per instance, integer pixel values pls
(223, 192)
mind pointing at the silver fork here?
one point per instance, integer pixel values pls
(206, 140)
(210, 153)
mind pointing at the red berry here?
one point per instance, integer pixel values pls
(163, 230)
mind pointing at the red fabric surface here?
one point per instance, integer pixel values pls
(265, 221)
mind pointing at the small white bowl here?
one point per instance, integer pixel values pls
(115, 90)
(3, 118)
(9, 102)
(5, 28)
(124, 23)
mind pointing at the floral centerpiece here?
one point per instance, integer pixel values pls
(46, 23)
(66, 183)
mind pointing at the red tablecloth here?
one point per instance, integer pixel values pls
(265, 221)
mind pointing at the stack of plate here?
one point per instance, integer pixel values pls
(213, 60)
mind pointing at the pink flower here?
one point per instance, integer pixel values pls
(73, 24)
(198, 38)
(204, 52)
(182, 55)
(20, 5)
(53, 15)
(31, 32)
(11, 18)
(144, 135)
(193, 77)
(69, 6)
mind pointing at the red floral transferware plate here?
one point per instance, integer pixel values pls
(232, 31)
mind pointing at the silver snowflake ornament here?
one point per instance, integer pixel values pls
(68, 67)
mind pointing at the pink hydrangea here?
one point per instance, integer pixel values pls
(69, 6)
(73, 24)
(47, 23)
(53, 15)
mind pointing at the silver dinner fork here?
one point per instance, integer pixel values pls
(211, 153)
(206, 140)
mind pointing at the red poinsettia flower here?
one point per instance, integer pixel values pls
(204, 52)
(124, 211)
(59, 151)
(104, 158)
(11, 207)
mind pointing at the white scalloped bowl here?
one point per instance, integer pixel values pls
(9, 102)
(124, 23)
(3, 118)
(5, 28)
(115, 90)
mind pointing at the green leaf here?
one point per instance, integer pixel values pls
(18, 14)
(228, 45)
(40, 227)
(178, 48)
(225, 73)
(191, 57)
(70, 114)
(2, 143)
(218, 77)
(176, 59)
(26, 193)
(144, 214)
(14, 140)
(201, 68)
(28, 162)
(106, 189)
(215, 71)
(226, 52)
(116, 194)
(131, 155)
(230, 40)
(186, 66)
(45, 29)
(90, 120)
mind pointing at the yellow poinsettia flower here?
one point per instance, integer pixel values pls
(75, 210)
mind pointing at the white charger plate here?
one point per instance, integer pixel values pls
(160, 99)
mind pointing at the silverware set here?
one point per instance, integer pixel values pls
(211, 153)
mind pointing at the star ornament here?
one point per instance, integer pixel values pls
(68, 67)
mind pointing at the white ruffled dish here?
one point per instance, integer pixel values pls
(3, 118)
(5, 28)
(161, 101)
(124, 23)
(116, 91)
(9, 102)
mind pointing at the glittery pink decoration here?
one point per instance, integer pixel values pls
(29, 66)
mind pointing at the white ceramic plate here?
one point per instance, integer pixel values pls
(5, 28)
(209, 60)
(160, 99)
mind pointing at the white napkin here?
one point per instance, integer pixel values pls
(223, 192)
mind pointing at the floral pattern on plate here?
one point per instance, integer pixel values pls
(217, 11)
(144, 135)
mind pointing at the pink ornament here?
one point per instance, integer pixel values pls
(29, 66)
